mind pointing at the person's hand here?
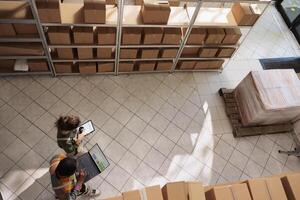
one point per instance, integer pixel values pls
(80, 138)
(82, 175)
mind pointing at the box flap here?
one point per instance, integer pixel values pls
(195, 191)
(131, 195)
(175, 191)
(153, 193)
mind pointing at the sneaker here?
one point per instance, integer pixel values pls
(91, 192)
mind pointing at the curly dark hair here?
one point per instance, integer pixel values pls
(67, 123)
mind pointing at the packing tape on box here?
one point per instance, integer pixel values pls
(143, 194)
(234, 195)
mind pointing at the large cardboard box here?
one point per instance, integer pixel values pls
(21, 49)
(232, 35)
(209, 64)
(131, 35)
(85, 53)
(225, 52)
(59, 35)
(63, 67)
(197, 35)
(152, 35)
(106, 35)
(291, 184)
(94, 11)
(7, 66)
(244, 15)
(172, 36)
(187, 64)
(169, 53)
(105, 53)
(65, 53)
(15, 10)
(131, 195)
(195, 191)
(149, 53)
(208, 52)
(175, 190)
(49, 11)
(147, 66)
(164, 65)
(111, 2)
(190, 52)
(7, 30)
(83, 35)
(37, 65)
(128, 53)
(26, 29)
(106, 67)
(174, 3)
(115, 198)
(152, 193)
(126, 66)
(229, 192)
(87, 68)
(215, 36)
(154, 12)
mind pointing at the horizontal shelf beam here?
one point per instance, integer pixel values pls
(85, 25)
(17, 21)
(75, 74)
(20, 39)
(25, 73)
(150, 46)
(85, 60)
(81, 46)
(145, 59)
(199, 70)
(190, 58)
(22, 57)
(144, 72)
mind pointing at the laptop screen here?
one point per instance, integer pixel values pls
(99, 158)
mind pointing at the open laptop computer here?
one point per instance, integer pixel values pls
(93, 162)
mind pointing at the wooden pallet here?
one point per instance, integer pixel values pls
(232, 111)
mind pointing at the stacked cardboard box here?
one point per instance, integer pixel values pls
(172, 36)
(232, 35)
(7, 30)
(268, 97)
(83, 35)
(169, 53)
(131, 35)
(215, 36)
(49, 11)
(7, 66)
(65, 53)
(85, 53)
(37, 65)
(26, 29)
(188, 65)
(63, 67)
(147, 66)
(126, 66)
(183, 191)
(106, 35)
(244, 14)
(149, 53)
(94, 11)
(164, 65)
(190, 52)
(197, 36)
(152, 35)
(106, 67)
(209, 64)
(225, 52)
(208, 52)
(21, 49)
(154, 12)
(229, 192)
(59, 35)
(87, 68)
(104, 53)
(128, 53)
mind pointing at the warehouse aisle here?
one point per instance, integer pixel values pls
(154, 128)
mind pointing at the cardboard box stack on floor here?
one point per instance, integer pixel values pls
(268, 97)
(94, 11)
(187, 64)
(49, 11)
(245, 14)
(85, 53)
(155, 12)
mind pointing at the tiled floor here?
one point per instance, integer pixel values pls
(154, 128)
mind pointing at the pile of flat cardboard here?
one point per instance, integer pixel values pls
(268, 97)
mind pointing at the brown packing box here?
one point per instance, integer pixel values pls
(105, 53)
(49, 11)
(225, 52)
(21, 49)
(266, 188)
(126, 66)
(187, 64)
(155, 12)
(164, 65)
(243, 14)
(83, 35)
(209, 64)
(7, 66)
(128, 53)
(174, 3)
(115, 198)
(172, 36)
(169, 53)
(87, 68)
(85, 53)
(291, 184)
(26, 29)
(37, 65)
(175, 190)
(146, 66)
(111, 2)
(65, 53)
(94, 11)
(152, 35)
(106, 67)
(15, 10)
(106, 35)
(215, 36)
(7, 30)
(59, 35)
(131, 195)
(63, 67)
(149, 53)
(131, 35)
(197, 35)
(232, 35)
(229, 192)
(139, 2)
(208, 52)
(153, 193)
(195, 191)
(190, 52)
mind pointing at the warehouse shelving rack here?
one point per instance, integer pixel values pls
(123, 16)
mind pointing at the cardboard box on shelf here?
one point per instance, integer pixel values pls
(215, 36)
(87, 68)
(209, 64)
(131, 35)
(244, 15)
(155, 12)
(149, 53)
(66, 67)
(85, 53)
(169, 53)
(65, 53)
(59, 35)
(126, 67)
(291, 184)
(106, 35)
(105, 53)
(26, 29)
(225, 52)
(15, 10)
(21, 49)
(208, 52)
(106, 67)
(164, 65)
(131, 195)
(187, 64)
(37, 65)
(128, 53)
(49, 11)
(152, 35)
(172, 36)
(197, 35)
(139, 2)
(111, 2)
(7, 66)
(94, 11)
(83, 35)
(229, 192)
(174, 3)
(190, 52)
(7, 30)
(147, 66)
(232, 35)
(115, 198)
